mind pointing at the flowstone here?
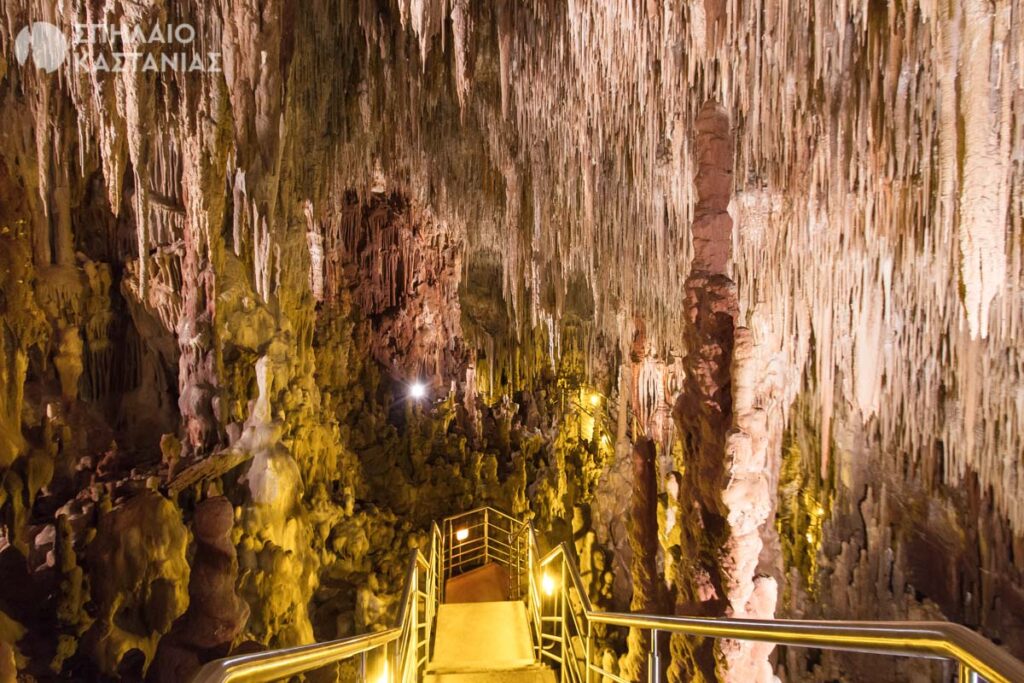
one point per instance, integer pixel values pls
(139, 582)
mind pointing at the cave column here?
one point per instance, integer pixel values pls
(198, 371)
(643, 542)
(703, 410)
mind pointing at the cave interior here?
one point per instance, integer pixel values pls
(728, 297)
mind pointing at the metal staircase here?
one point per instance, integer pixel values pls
(439, 641)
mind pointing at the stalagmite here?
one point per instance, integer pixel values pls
(643, 541)
(216, 614)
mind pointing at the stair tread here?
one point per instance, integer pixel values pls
(482, 637)
(531, 675)
(488, 583)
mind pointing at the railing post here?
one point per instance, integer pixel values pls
(587, 651)
(653, 661)
(966, 674)
(564, 602)
(519, 565)
(441, 564)
(513, 570)
(531, 589)
(415, 638)
(487, 535)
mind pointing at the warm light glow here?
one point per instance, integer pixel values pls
(595, 400)
(547, 584)
(461, 535)
(383, 678)
(417, 390)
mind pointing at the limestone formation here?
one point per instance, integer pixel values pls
(643, 541)
(139, 582)
(216, 615)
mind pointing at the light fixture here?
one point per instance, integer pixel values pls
(547, 584)
(417, 390)
(595, 400)
(461, 535)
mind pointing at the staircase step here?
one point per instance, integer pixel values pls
(488, 583)
(536, 674)
(482, 636)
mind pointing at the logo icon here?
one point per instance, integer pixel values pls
(47, 44)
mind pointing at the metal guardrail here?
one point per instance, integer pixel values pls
(562, 620)
(398, 654)
(562, 602)
(481, 536)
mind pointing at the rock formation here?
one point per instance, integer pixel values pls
(643, 542)
(216, 615)
(704, 409)
(139, 582)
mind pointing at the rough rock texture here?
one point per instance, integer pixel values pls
(216, 614)
(727, 497)
(643, 541)
(140, 574)
(403, 267)
(703, 410)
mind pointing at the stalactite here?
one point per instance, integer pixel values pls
(985, 113)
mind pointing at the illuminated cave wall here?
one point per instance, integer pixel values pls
(216, 286)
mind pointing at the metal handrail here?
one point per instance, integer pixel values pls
(276, 664)
(561, 615)
(398, 646)
(976, 656)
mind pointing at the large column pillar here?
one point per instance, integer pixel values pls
(703, 411)
(643, 541)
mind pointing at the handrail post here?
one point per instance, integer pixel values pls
(514, 580)
(447, 558)
(564, 622)
(440, 566)
(513, 571)
(653, 661)
(487, 534)
(415, 638)
(428, 604)
(587, 645)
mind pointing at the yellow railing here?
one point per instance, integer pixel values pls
(563, 619)
(398, 654)
(566, 609)
(481, 536)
